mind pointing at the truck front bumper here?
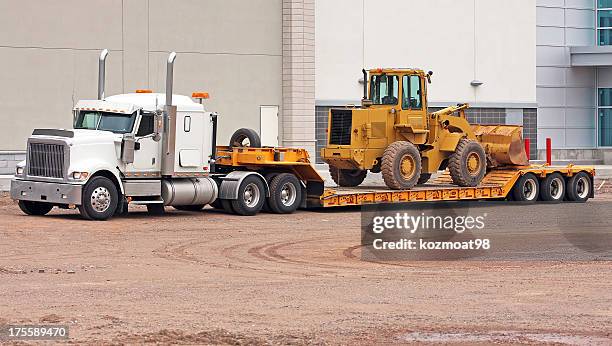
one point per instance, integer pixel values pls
(55, 193)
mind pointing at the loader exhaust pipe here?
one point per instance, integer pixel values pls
(365, 84)
(102, 73)
(169, 78)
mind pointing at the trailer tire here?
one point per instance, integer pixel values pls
(197, 207)
(35, 208)
(424, 178)
(468, 164)
(347, 177)
(401, 165)
(552, 188)
(285, 194)
(100, 199)
(251, 196)
(526, 189)
(156, 209)
(239, 137)
(579, 187)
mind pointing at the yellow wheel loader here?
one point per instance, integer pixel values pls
(393, 133)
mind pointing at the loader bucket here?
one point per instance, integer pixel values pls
(502, 143)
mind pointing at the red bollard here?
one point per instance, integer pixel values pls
(527, 148)
(549, 151)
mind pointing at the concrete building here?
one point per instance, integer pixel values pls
(255, 58)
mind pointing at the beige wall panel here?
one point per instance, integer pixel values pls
(40, 86)
(216, 26)
(238, 85)
(61, 24)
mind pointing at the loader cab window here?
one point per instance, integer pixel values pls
(384, 89)
(105, 121)
(412, 96)
(147, 123)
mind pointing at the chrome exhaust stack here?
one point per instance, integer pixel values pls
(169, 131)
(102, 73)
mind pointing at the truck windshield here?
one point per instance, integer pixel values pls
(384, 89)
(114, 122)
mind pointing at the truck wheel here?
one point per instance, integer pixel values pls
(189, 207)
(579, 188)
(35, 208)
(347, 177)
(401, 165)
(226, 205)
(251, 196)
(285, 194)
(156, 209)
(217, 204)
(100, 199)
(245, 138)
(266, 206)
(468, 164)
(552, 188)
(526, 189)
(424, 178)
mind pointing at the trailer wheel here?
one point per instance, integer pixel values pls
(197, 207)
(100, 199)
(251, 196)
(285, 194)
(347, 177)
(245, 138)
(552, 188)
(579, 188)
(468, 164)
(401, 165)
(156, 209)
(526, 189)
(424, 178)
(35, 208)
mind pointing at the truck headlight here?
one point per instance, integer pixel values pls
(19, 170)
(79, 175)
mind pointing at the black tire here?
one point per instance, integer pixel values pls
(285, 194)
(122, 209)
(552, 188)
(239, 138)
(347, 177)
(156, 209)
(424, 178)
(468, 153)
(35, 208)
(226, 204)
(251, 196)
(526, 189)
(401, 166)
(198, 207)
(266, 206)
(217, 204)
(579, 187)
(100, 199)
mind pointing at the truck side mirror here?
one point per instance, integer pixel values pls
(127, 148)
(158, 126)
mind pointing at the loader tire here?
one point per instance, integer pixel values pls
(468, 164)
(347, 177)
(401, 165)
(245, 138)
(424, 178)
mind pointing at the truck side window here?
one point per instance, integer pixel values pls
(411, 94)
(146, 125)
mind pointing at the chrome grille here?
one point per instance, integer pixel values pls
(46, 160)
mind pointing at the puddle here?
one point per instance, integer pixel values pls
(505, 337)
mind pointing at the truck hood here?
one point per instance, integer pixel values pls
(77, 136)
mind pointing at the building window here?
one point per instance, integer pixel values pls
(604, 22)
(605, 117)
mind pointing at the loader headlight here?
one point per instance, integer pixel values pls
(79, 175)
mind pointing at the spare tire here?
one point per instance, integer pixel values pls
(245, 138)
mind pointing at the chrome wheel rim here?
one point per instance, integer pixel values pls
(251, 195)
(582, 187)
(556, 188)
(288, 194)
(100, 199)
(530, 190)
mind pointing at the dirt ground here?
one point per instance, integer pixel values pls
(208, 277)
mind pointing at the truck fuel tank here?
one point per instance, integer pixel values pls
(191, 191)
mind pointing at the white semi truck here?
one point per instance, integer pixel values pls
(143, 148)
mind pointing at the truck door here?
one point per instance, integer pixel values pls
(414, 112)
(146, 155)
